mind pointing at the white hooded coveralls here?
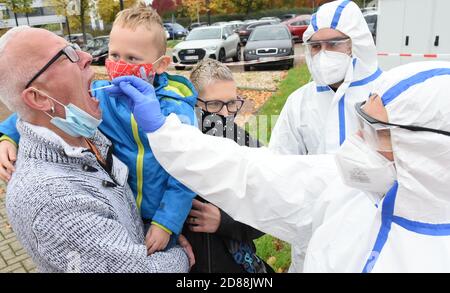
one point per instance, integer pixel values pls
(301, 199)
(315, 119)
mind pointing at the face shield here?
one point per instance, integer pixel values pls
(339, 45)
(377, 134)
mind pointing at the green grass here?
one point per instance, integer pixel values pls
(172, 43)
(276, 252)
(296, 77)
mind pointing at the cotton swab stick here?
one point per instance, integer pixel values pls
(102, 87)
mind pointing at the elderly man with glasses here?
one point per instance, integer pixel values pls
(68, 201)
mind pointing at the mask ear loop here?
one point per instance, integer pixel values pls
(52, 109)
(152, 79)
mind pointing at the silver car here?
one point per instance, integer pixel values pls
(216, 42)
(266, 42)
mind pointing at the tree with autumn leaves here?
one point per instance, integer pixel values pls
(191, 8)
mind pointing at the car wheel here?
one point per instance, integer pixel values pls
(222, 56)
(180, 67)
(290, 65)
(237, 58)
(247, 68)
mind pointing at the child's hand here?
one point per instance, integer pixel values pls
(8, 154)
(156, 239)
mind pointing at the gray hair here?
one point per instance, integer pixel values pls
(13, 74)
(208, 71)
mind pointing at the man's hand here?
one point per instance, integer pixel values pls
(204, 217)
(8, 155)
(156, 239)
(188, 249)
(142, 99)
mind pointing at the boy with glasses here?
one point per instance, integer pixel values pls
(220, 244)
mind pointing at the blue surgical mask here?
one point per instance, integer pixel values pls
(77, 123)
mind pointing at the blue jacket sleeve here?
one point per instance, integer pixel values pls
(177, 199)
(175, 206)
(8, 128)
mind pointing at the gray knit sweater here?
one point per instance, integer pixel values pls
(65, 217)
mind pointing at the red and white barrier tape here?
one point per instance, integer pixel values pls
(262, 60)
(413, 55)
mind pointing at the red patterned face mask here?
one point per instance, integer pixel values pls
(121, 68)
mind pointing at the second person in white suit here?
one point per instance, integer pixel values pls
(318, 117)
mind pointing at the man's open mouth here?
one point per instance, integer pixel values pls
(94, 102)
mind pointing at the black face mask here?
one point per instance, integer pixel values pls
(217, 125)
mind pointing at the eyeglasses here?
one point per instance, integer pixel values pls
(335, 45)
(71, 53)
(215, 106)
(377, 133)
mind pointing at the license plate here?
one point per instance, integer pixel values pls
(191, 57)
(266, 58)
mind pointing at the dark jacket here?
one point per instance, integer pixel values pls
(213, 252)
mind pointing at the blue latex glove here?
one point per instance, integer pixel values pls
(142, 99)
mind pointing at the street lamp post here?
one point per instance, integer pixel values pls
(121, 4)
(209, 12)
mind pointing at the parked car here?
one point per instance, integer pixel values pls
(167, 33)
(288, 16)
(98, 48)
(270, 18)
(245, 30)
(78, 39)
(269, 41)
(247, 21)
(298, 25)
(176, 30)
(216, 42)
(196, 25)
(371, 19)
(219, 23)
(235, 25)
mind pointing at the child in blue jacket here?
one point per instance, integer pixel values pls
(137, 47)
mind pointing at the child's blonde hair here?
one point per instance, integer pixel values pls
(143, 15)
(208, 71)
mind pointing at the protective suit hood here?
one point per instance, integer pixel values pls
(346, 17)
(418, 94)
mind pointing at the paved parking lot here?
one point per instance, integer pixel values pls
(13, 258)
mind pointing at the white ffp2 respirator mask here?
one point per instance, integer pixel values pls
(328, 67)
(363, 168)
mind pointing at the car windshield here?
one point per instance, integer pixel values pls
(267, 34)
(101, 41)
(91, 43)
(204, 34)
(177, 26)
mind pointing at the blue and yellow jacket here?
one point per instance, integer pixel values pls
(159, 196)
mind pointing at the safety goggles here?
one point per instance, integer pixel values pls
(377, 133)
(69, 51)
(215, 106)
(336, 45)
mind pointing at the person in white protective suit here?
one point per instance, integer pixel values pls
(342, 58)
(316, 119)
(388, 211)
